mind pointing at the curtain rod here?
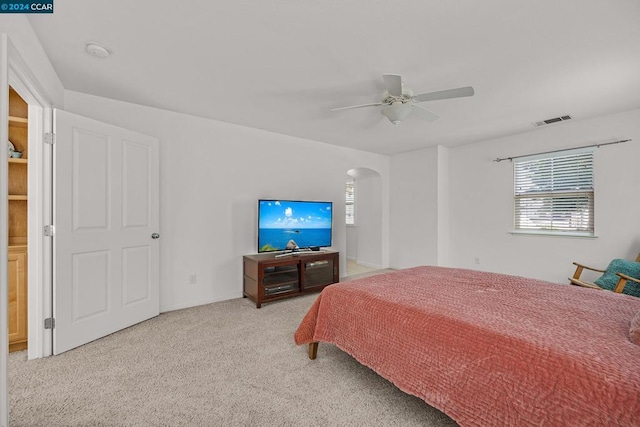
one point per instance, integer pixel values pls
(565, 149)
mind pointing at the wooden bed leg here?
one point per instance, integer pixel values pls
(313, 350)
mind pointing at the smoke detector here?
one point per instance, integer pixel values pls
(97, 50)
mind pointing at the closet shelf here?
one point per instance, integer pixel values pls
(18, 160)
(18, 121)
(18, 197)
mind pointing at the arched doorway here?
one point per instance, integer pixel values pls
(364, 235)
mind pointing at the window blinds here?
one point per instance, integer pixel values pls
(555, 193)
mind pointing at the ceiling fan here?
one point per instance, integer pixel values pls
(398, 101)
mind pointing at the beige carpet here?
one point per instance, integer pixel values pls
(222, 364)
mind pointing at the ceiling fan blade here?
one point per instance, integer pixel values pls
(445, 94)
(357, 106)
(423, 113)
(394, 84)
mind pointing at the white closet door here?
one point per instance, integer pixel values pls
(106, 217)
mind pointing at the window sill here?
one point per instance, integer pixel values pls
(540, 233)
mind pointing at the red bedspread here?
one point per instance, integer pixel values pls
(489, 349)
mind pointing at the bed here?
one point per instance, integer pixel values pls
(489, 349)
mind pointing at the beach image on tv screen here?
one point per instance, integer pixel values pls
(308, 224)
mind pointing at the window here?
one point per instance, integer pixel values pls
(554, 195)
(350, 208)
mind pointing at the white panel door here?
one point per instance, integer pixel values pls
(106, 214)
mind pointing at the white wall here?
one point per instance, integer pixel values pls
(23, 38)
(481, 200)
(369, 219)
(414, 215)
(352, 243)
(443, 208)
(212, 174)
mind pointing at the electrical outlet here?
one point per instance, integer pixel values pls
(193, 279)
(477, 260)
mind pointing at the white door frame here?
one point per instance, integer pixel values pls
(39, 287)
(39, 208)
(14, 72)
(4, 241)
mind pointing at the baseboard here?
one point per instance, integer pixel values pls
(351, 258)
(210, 300)
(368, 264)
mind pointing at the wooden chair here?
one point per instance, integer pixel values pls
(622, 278)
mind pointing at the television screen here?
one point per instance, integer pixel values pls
(288, 224)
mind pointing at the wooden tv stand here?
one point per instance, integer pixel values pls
(269, 278)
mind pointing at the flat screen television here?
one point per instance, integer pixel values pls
(306, 223)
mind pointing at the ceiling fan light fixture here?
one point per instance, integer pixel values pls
(398, 102)
(396, 112)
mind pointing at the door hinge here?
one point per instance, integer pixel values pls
(49, 323)
(49, 230)
(50, 138)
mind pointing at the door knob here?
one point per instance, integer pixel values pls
(155, 236)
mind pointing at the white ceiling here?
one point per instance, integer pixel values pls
(281, 65)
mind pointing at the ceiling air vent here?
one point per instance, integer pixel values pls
(553, 120)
